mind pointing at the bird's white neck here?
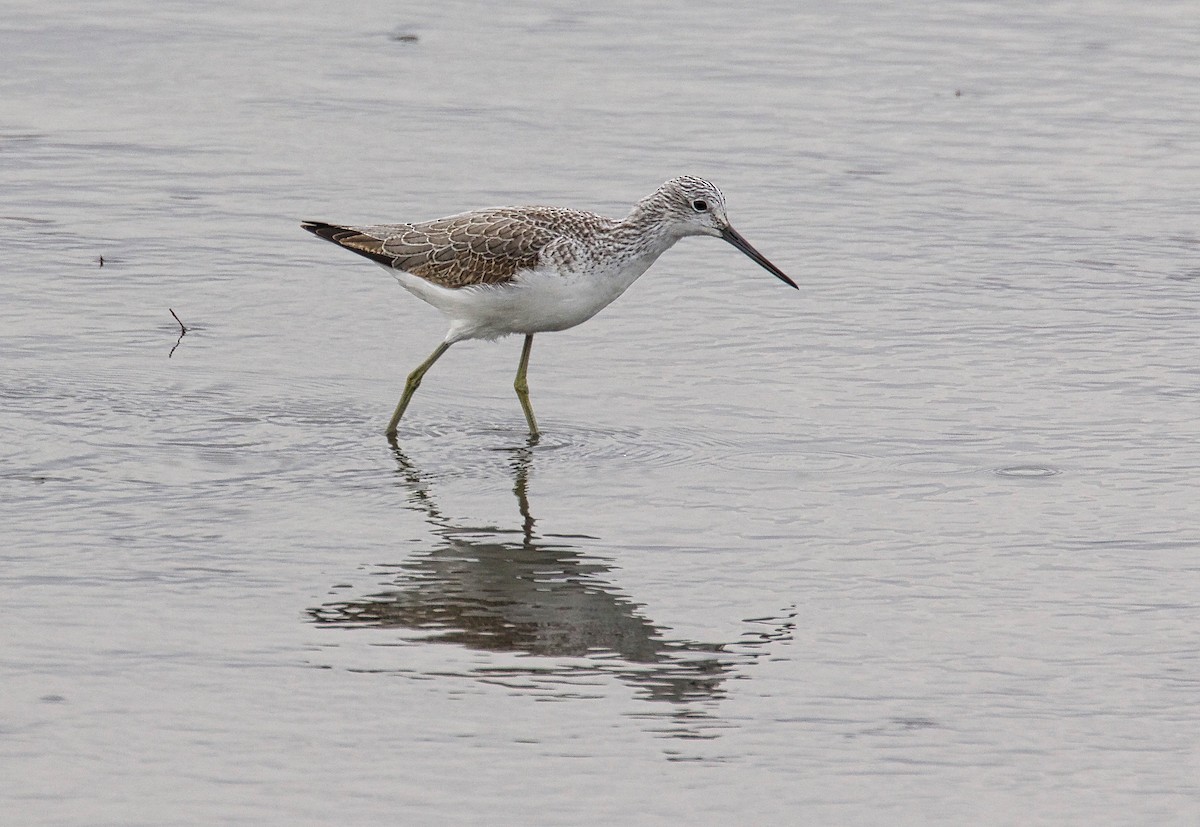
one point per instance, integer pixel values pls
(647, 232)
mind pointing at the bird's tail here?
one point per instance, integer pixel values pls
(356, 241)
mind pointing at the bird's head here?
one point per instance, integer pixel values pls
(694, 206)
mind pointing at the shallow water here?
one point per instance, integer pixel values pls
(917, 544)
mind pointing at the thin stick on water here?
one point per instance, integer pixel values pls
(182, 332)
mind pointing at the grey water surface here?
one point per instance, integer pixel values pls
(916, 544)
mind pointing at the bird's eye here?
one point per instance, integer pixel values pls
(699, 206)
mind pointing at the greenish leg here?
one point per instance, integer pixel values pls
(521, 386)
(410, 387)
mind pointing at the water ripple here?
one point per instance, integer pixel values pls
(1027, 472)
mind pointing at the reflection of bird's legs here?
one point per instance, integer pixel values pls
(419, 495)
(520, 466)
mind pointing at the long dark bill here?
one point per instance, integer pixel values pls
(735, 238)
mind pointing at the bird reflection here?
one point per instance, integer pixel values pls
(499, 590)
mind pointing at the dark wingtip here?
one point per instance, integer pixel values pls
(346, 238)
(321, 229)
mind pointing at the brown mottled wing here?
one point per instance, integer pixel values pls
(483, 247)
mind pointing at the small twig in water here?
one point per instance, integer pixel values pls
(182, 332)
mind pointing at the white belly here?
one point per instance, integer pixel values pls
(537, 301)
